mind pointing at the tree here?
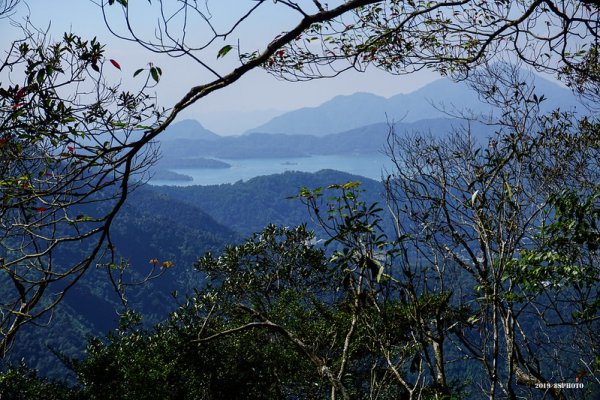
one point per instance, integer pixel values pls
(23, 383)
(273, 321)
(278, 316)
(449, 307)
(397, 36)
(100, 139)
(7, 7)
(489, 223)
(65, 139)
(453, 37)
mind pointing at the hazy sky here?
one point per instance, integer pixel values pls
(257, 91)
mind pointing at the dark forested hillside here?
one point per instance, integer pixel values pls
(150, 226)
(247, 207)
(175, 224)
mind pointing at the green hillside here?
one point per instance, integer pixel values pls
(248, 206)
(176, 224)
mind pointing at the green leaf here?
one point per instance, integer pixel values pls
(154, 73)
(40, 75)
(139, 71)
(350, 185)
(508, 190)
(224, 50)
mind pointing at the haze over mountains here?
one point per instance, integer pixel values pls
(358, 124)
(368, 139)
(222, 121)
(344, 113)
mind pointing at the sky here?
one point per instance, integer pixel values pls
(243, 105)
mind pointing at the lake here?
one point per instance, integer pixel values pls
(370, 166)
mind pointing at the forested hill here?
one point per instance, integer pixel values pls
(247, 207)
(176, 224)
(150, 225)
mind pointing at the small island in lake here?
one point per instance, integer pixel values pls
(197, 162)
(167, 175)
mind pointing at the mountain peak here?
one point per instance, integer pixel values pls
(188, 129)
(352, 97)
(346, 112)
(340, 113)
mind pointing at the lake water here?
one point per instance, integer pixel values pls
(370, 166)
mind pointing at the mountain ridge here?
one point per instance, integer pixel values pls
(188, 129)
(369, 139)
(434, 100)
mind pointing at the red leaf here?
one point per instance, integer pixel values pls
(20, 94)
(275, 39)
(40, 209)
(71, 149)
(116, 64)
(18, 105)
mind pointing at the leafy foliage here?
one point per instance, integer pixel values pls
(452, 37)
(496, 224)
(367, 316)
(23, 383)
(65, 134)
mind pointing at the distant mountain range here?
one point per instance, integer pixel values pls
(370, 139)
(229, 123)
(355, 124)
(343, 113)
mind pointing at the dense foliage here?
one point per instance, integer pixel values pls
(280, 316)
(486, 287)
(377, 316)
